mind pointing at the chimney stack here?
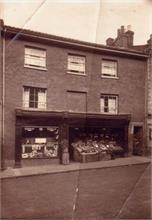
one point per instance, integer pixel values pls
(124, 38)
(110, 41)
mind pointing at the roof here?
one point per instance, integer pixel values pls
(18, 33)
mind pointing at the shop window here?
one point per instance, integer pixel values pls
(40, 142)
(76, 64)
(34, 97)
(109, 68)
(109, 104)
(35, 58)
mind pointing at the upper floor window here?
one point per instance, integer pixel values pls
(109, 68)
(76, 64)
(34, 97)
(35, 58)
(109, 104)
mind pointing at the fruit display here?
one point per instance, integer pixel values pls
(98, 147)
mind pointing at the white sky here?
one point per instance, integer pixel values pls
(88, 20)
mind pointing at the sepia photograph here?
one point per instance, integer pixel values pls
(75, 109)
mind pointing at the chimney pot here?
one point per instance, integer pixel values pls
(122, 29)
(109, 41)
(118, 32)
(128, 27)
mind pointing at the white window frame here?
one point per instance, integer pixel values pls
(76, 64)
(105, 104)
(109, 69)
(36, 104)
(35, 58)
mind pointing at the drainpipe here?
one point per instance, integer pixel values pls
(3, 102)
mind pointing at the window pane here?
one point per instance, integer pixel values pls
(34, 97)
(112, 105)
(108, 104)
(76, 64)
(31, 104)
(26, 97)
(42, 99)
(109, 68)
(102, 104)
(35, 57)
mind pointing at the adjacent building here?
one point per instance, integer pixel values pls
(55, 89)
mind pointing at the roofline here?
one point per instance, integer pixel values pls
(72, 42)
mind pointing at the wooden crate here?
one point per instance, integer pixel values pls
(90, 157)
(104, 156)
(84, 158)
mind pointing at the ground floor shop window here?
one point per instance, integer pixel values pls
(40, 142)
(100, 141)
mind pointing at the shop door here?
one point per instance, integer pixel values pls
(137, 140)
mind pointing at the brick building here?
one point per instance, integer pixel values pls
(55, 89)
(125, 39)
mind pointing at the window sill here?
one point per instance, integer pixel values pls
(76, 74)
(110, 77)
(37, 68)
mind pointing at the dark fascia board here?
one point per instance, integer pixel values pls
(99, 116)
(66, 114)
(36, 113)
(18, 33)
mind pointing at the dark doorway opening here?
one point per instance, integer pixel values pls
(137, 140)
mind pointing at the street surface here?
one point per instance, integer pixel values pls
(109, 193)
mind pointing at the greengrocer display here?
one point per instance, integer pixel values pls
(97, 147)
(40, 143)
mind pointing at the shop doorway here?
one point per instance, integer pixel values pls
(137, 140)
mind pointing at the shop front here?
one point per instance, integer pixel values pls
(40, 142)
(38, 136)
(101, 137)
(41, 137)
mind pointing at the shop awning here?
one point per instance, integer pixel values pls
(72, 118)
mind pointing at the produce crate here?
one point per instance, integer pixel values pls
(85, 157)
(89, 157)
(104, 156)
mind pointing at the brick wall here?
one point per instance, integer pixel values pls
(129, 86)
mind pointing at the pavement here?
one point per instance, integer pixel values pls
(138, 204)
(74, 166)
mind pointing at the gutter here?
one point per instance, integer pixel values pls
(76, 44)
